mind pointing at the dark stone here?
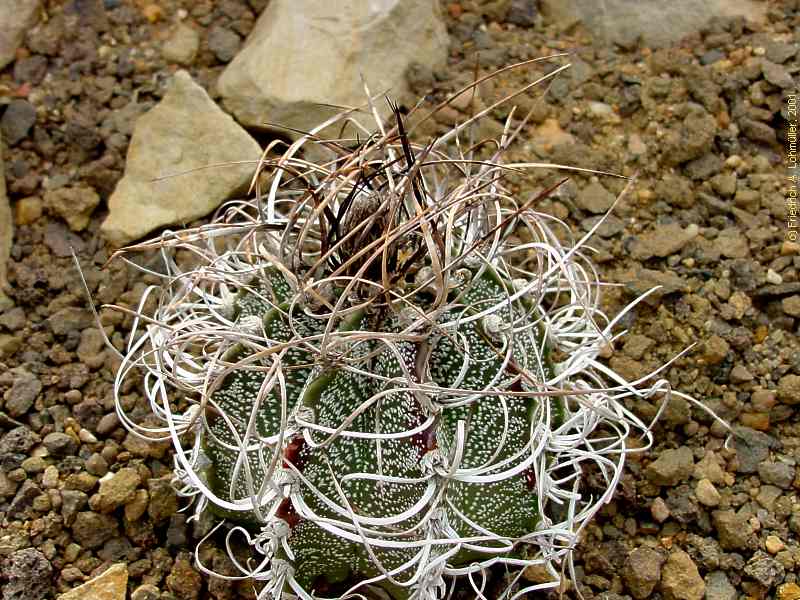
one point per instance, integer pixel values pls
(522, 13)
(107, 423)
(92, 530)
(610, 227)
(72, 502)
(783, 289)
(70, 318)
(764, 569)
(703, 88)
(31, 69)
(24, 498)
(711, 57)
(704, 167)
(88, 413)
(61, 241)
(691, 139)
(23, 393)
(177, 535)
(83, 135)
(631, 100)
(777, 473)
(141, 532)
(224, 43)
(752, 448)
(17, 121)
(757, 131)
(91, 14)
(779, 52)
(60, 444)
(117, 549)
(733, 530)
(681, 505)
(18, 440)
(705, 550)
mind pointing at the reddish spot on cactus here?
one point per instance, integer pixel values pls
(425, 440)
(294, 453)
(287, 512)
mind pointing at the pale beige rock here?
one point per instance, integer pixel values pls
(186, 142)
(709, 468)
(6, 232)
(16, 18)
(112, 584)
(622, 22)
(305, 55)
(706, 493)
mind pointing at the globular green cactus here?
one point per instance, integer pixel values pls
(392, 368)
(371, 433)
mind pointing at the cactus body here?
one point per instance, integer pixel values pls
(387, 387)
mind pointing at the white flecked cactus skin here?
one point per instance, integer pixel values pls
(389, 388)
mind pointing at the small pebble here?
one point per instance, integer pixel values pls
(71, 574)
(773, 544)
(60, 444)
(136, 507)
(146, 592)
(153, 12)
(71, 552)
(86, 436)
(773, 277)
(706, 493)
(50, 478)
(96, 465)
(659, 510)
(34, 464)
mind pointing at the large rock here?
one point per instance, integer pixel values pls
(305, 55)
(185, 131)
(623, 21)
(6, 230)
(112, 584)
(16, 18)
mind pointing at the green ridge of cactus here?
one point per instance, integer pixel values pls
(508, 507)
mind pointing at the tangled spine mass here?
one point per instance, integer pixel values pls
(388, 386)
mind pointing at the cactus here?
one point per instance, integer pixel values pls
(390, 365)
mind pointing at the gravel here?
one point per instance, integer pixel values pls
(699, 123)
